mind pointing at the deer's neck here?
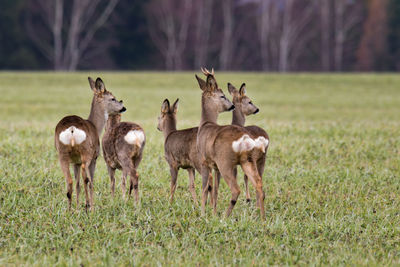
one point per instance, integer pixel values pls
(238, 117)
(112, 122)
(170, 126)
(209, 112)
(97, 115)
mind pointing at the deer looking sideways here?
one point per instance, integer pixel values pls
(179, 146)
(77, 140)
(123, 144)
(245, 107)
(222, 148)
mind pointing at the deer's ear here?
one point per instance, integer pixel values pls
(175, 106)
(211, 83)
(92, 84)
(202, 83)
(165, 106)
(100, 87)
(242, 90)
(232, 90)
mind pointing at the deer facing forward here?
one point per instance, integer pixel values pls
(77, 141)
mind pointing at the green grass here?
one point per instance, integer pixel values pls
(331, 180)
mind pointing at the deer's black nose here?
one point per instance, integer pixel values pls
(122, 110)
(257, 110)
(231, 108)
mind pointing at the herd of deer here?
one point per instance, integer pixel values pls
(205, 148)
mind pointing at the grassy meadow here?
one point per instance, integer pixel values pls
(332, 178)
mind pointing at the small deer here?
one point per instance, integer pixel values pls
(245, 107)
(123, 144)
(77, 141)
(222, 148)
(179, 146)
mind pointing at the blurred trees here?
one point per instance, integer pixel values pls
(269, 35)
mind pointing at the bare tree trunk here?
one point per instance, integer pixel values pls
(227, 40)
(325, 34)
(204, 18)
(57, 34)
(285, 37)
(264, 25)
(84, 22)
(182, 35)
(339, 33)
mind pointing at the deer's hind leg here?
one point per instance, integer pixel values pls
(77, 174)
(229, 176)
(135, 178)
(111, 173)
(250, 169)
(192, 189)
(68, 179)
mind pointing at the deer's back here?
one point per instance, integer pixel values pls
(256, 131)
(117, 149)
(87, 140)
(215, 141)
(180, 149)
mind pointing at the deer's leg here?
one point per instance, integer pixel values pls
(229, 176)
(260, 168)
(77, 174)
(215, 190)
(210, 188)
(111, 173)
(125, 173)
(205, 174)
(246, 185)
(174, 176)
(192, 189)
(250, 169)
(86, 182)
(134, 184)
(68, 179)
(92, 168)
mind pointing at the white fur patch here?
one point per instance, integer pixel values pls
(261, 142)
(72, 136)
(105, 116)
(135, 137)
(244, 143)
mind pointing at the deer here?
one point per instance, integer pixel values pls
(180, 148)
(245, 107)
(77, 141)
(222, 148)
(123, 144)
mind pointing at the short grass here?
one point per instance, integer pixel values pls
(332, 176)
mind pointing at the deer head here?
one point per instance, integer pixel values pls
(213, 97)
(241, 101)
(105, 99)
(167, 118)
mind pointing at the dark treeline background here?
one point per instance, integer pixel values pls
(267, 35)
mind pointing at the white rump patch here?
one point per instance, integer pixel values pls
(135, 137)
(72, 136)
(261, 142)
(244, 143)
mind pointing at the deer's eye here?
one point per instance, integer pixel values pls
(223, 97)
(251, 103)
(113, 99)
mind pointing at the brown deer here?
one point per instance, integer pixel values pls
(77, 140)
(222, 148)
(123, 144)
(245, 107)
(180, 147)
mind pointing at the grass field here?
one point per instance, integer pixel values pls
(332, 177)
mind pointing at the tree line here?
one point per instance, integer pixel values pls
(256, 35)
